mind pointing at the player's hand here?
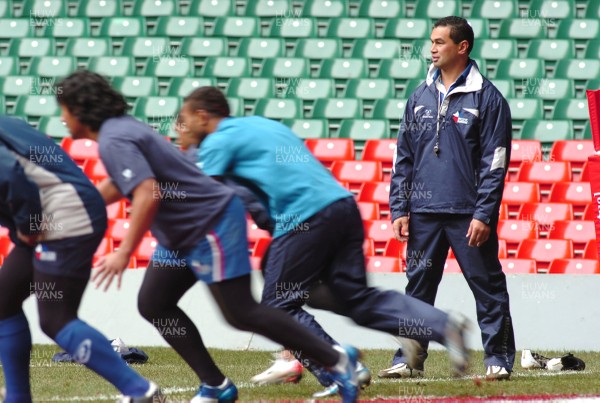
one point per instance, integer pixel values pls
(30, 240)
(401, 228)
(478, 233)
(108, 267)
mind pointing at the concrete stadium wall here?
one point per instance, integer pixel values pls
(550, 312)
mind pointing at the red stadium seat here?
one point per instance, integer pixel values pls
(357, 172)
(81, 149)
(261, 246)
(518, 266)
(574, 266)
(523, 150)
(579, 231)
(382, 150)
(105, 247)
(395, 248)
(6, 245)
(118, 230)
(116, 210)
(378, 192)
(579, 194)
(255, 262)
(329, 150)
(545, 214)
(585, 173)
(545, 251)
(503, 212)
(502, 249)
(591, 212)
(452, 266)
(368, 247)
(144, 251)
(383, 264)
(574, 151)
(255, 233)
(591, 250)
(380, 231)
(369, 210)
(515, 231)
(517, 193)
(545, 173)
(95, 170)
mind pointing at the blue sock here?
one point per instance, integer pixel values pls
(15, 352)
(89, 347)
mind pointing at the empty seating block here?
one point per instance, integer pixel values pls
(357, 172)
(376, 192)
(574, 266)
(329, 150)
(518, 266)
(337, 108)
(274, 108)
(80, 150)
(517, 193)
(308, 128)
(369, 210)
(544, 251)
(382, 264)
(546, 214)
(343, 68)
(523, 151)
(547, 131)
(364, 129)
(380, 231)
(515, 231)
(578, 231)
(575, 152)
(380, 150)
(579, 194)
(545, 173)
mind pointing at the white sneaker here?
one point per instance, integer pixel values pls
(400, 371)
(411, 351)
(495, 372)
(282, 371)
(531, 360)
(153, 395)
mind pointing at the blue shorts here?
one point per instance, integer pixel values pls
(221, 255)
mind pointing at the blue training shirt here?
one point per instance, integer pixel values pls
(270, 156)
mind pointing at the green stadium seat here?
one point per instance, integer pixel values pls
(376, 49)
(308, 128)
(8, 65)
(177, 26)
(37, 9)
(98, 8)
(343, 68)
(551, 49)
(134, 87)
(578, 69)
(494, 49)
(593, 49)
(156, 107)
(5, 9)
(169, 67)
(285, 67)
(112, 66)
(274, 108)
(495, 9)
(236, 27)
(402, 69)
(437, 9)
(68, 28)
(122, 26)
(381, 9)
(251, 88)
(147, 47)
(226, 67)
(573, 109)
(549, 88)
(318, 48)
(293, 28)
(88, 47)
(269, 8)
(370, 88)
(204, 47)
(350, 28)
(311, 89)
(391, 109)
(13, 86)
(421, 49)
(592, 10)
(182, 86)
(522, 28)
(37, 105)
(53, 126)
(547, 131)
(587, 131)
(362, 130)
(15, 28)
(2, 105)
(584, 29)
(517, 69)
(524, 109)
(481, 28)
(236, 106)
(261, 48)
(154, 8)
(407, 28)
(31, 47)
(592, 84)
(212, 8)
(506, 87)
(338, 108)
(552, 9)
(53, 66)
(325, 8)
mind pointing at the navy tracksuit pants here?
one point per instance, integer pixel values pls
(430, 237)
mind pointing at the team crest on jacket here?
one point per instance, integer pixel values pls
(458, 118)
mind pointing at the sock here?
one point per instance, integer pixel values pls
(15, 352)
(342, 364)
(89, 347)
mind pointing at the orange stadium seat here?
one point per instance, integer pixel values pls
(518, 266)
(574, 266)
(369, 210)
(383, 264)
(523, 150)
(329, 150)
(579, 194)
(579, 231)
(517, 193)
(545, 214)
(591, 250)
(380, 231)
(545, 173)
(377, 192)
(545, 251)
(515, 231)
(357, 172)
(574, 151)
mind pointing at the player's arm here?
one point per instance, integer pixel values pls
(110, 193)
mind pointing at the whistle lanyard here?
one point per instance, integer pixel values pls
(441, 115)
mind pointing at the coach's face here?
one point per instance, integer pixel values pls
(75, 127)
(444, 51)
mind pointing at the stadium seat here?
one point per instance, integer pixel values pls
(324, 8)
(578, 69)
(201, 48)
(308, 128)
(337, 108)
(578, 231)
(255, 233)
(376, 49)
(368, 210)
(545, 173)
(318, 48)
(105, 247)
(382, 264)
(495, 49)
(574, 151)
(522, 28)
(236, 27)
(98, 8)
(285, 67)
(134, 86)
(545, 214)
(169, 67)
(154, 8)
(119, 27)
(350, 28)
(53, 66)
(503, 213)
(80, 150)
(506, 87)
(116, 210)
(523, 150)
(13, 86)
(269, 8)
(585, 173)
(380, 231)
(547, 131)
(147, 47)
(591, 250)
(275, 108)
(183, 86)
(44, 8)
(495, 9)
(95, 170)
(88, 47)
(381, 9)
(329, 150)
(524, 109)
(15, 28)
(592, 51)
(118, 230)
(309, 88)
(436, 9)
(518, 266)
(545, 251)
(551, 49)
(156, 107)
(294, 28)
(382, 150)
(5, 9)
(517, 193)
(368, 247)
(552, 9)
(37, 105)
(392, 109)
(376, 192)
(179, 26)
(549, 89)
(370, 88)
(362, 130)
(402, 69)
(573, 109)
(261, 246)
(261, 48)
(395, 248)
(578, 29)
(514, 231)
(212, 8)
(8, 65)
(519, 69)
(31, 47)
(112, 66)
(343, 68)
(502, 249)
(591, 212)
(53, 126)
(357, 172)
(251, 88)
(574, 266)
(68, 28)
(226, 67)
(407, 28)
(144, 251)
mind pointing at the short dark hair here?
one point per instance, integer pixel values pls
(211, 99)
(90, 98)
(460, 30)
